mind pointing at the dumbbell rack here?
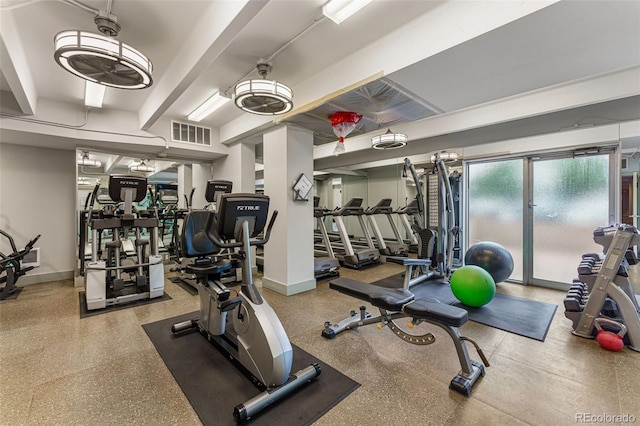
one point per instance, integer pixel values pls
(603, 288)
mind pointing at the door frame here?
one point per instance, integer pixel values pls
(614, 214)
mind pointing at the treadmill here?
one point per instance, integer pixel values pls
(347, 254)
(389, 247)
(406, 214)
(325, 265)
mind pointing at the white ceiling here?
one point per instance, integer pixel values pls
(564, 42)
(559, 43)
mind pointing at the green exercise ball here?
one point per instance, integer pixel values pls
(472, 285)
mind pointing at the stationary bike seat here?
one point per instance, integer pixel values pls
(209, 268)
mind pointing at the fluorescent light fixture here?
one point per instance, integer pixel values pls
(94, 94)
(339, 10)
(210, 105)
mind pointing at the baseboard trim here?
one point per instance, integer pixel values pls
(44, 278)
(288, 289)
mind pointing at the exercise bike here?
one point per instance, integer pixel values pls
(11, 267)
(240, 324)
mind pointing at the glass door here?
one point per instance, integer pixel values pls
(542, 209)
(570, 197)
(494, 206)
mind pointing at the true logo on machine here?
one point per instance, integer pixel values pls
(248, 208)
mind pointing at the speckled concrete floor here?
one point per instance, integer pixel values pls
(58, 369)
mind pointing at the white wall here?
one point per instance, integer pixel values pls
(38, 196)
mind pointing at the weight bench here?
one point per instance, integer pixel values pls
(396, 303)
(412, 276)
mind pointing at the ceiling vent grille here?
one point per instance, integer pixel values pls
(183, 132)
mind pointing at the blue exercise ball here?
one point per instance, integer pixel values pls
(492, 257)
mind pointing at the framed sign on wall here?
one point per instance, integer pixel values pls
(301, 188)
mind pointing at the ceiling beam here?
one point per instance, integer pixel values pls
(565, 96)
(212, 34)
(14, 66)
(406, 45)
(400, 48)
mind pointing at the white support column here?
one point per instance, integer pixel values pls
(238, 167)
(185, 183)
(288, 256)
(200, 174)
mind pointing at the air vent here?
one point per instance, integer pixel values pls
(183, 132)
(625, 164)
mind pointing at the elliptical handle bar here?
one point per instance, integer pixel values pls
(31, 243)
(17, 255)
(13, 244)
(213, 233)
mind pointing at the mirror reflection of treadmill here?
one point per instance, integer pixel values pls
(325, 263)
(349, 254)
(406, 215)
(387, 246)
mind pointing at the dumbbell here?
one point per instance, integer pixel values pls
(579, 296)
(572, 305)
(585, 269)
(577, 284)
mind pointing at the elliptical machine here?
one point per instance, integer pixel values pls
(184, 252)
(242, 326)
(11, 267)
(103, 282)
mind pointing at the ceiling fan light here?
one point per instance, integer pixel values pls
(85, 161)
(389, 140)
(102, 59)
(141, 167)
(264, 97)
(444, 156)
